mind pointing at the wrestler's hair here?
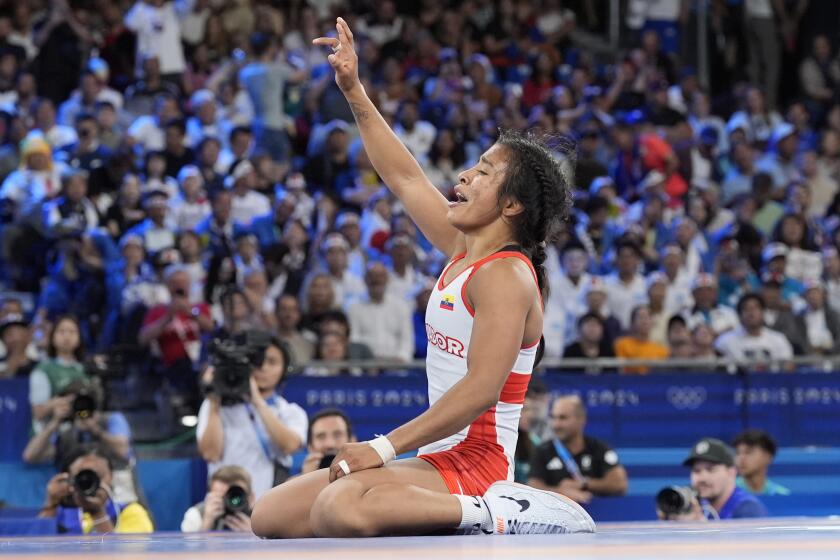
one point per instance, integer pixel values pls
(539, 175)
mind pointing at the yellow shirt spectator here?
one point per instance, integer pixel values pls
(133, 518)
(633, 348)
(637, 345)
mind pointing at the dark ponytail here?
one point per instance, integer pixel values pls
(538, 176)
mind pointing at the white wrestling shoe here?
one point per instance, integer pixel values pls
(516, 509)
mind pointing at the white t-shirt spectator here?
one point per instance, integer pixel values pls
(187, 215)
(197, 131)
(198, 278)
(768, 345)
(622, 298)
(419, 140)
(404, 288)
(245, 208)
(146, 131)
(818, 334)
(385, 327)
(804, 265)
(158, 33)
(349, 289)
(556, 326)
(60, 136)
(678, 297)
(572, 297)
(246, 440)
(28, 188)
(721, 319)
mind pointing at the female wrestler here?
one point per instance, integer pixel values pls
(484, 323)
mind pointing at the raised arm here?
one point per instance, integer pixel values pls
(392, 161)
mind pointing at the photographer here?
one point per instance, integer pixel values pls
(78, 420)
(51, 376)
(329, 429)
(82, 502)
(244, 421)
(713, 494)
(227, 505)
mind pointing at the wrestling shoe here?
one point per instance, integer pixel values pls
(516, 509)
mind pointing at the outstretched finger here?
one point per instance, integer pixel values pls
(344, 33)
(326, 41)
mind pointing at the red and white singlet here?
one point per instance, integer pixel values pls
(482, 453)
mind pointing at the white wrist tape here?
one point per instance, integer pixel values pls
(382, 446)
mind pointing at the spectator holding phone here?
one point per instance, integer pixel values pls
(329, 429)
(174, 331)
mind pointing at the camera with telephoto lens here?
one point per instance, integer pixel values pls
(87, 482)
(234, 359)
(675, 500)
(236, 501)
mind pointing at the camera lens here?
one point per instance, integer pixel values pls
(674, 500)
(236, 500)
(83, 406)
(86, 482)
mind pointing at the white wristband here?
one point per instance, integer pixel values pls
(383, 447)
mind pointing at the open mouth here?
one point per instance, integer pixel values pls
(457, 199)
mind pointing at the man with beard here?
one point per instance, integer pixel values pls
(713, 477)
(329, 429)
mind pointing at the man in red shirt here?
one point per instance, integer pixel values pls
(174, 332)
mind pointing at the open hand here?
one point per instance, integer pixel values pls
(343, 59)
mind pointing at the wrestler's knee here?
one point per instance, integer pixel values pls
(337, 512)
(271, 520)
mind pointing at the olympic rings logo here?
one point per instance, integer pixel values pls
(686, 398)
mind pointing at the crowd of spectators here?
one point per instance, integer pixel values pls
(174, 173)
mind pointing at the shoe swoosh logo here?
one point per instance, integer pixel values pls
(523, 504)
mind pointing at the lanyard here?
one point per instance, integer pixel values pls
(259, 428)
(568, 460)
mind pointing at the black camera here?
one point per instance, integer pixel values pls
(87, 482)
(84, 405)
(236, 501)
(326, 461)
(675, 500)
(233, 360)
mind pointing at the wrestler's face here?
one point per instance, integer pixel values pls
(477, 194)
